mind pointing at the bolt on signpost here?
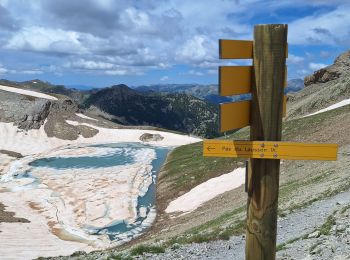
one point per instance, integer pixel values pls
(265, 80)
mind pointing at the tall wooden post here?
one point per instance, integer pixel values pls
(269, 60)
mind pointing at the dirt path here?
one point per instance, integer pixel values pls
(295, 226)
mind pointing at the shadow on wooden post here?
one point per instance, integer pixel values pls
(270, 42)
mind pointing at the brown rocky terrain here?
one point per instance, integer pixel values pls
(323, 88)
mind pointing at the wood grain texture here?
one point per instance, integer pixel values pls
(270, 42)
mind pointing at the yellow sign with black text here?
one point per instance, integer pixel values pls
(270, 150)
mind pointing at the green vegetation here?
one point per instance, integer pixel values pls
(291, 241)
(218, 233)
(309, 125)
(186, 158)
(141, 249)
(327, 226)
(119, 257)
(327, 194)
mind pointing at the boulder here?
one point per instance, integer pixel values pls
(147, 137)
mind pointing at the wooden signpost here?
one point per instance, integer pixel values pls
(265, 80)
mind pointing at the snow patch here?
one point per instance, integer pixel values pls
(86, 117)
(334, 106)
(26, 92)
(207, 191)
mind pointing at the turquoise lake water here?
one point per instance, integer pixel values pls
(122, 155)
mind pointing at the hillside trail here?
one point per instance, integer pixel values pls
(295, 226)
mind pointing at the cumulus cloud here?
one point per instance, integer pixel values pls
(3, 70)
(329, 28)
(164, 78)
(316, 66)
(295, 59)
(42, 39)
(196, 50)
(195, 73)
(90, 65)
(32, 72)
(125, 37)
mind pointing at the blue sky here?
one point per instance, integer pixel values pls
(105, 42)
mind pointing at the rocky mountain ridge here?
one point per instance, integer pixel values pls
(179, 112)
(28, 112)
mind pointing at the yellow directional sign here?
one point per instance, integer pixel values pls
(270, 150)
(235, 80)
(237, 114)
(234, 115)
(237, 49)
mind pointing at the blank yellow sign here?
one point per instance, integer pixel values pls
(237, 49)
(270, 150)
(237, 114)
(235, 80)
(234, 115)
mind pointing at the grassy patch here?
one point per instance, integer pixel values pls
(313, 247)
(326, 194)
(119, 257)
(141, 249)
(345, 209)
(186, 167)
(219, 233)
(291, 241)
(325, 229)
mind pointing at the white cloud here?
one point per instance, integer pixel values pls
(295, 59)
(32, 72)
(331, 28)
(302, 73)
(116, 72)
(136, 20)
(3, 70)
(197, 49)
(90, 65)
(121, 71)
(316, 66)
(164, 78)
(113, 37)
(212, 72)
(46, 40)
(194, 73)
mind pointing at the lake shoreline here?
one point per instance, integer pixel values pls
(25, 205)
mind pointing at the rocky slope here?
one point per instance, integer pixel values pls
(28, 112)
(323, 88)
(179, 112)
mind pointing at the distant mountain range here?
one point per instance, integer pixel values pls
(187, 108)
(209, 92)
